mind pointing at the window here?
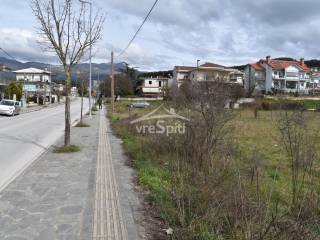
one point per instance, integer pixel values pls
(150, 82)
(160, 83)
(7, 103)
(281, 74)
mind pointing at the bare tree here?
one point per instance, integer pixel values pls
(298, 141)
(83, 79)
(65, 31)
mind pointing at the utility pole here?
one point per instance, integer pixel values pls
(90, 83)
(112, 83)
(197, 70)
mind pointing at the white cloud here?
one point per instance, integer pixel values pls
(181, 31)
(22, 45)
(142, 57)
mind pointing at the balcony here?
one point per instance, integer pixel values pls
(278, 76)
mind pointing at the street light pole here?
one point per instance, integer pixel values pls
(197, 69)
(90, 56)
(24, 100)
(112, 83)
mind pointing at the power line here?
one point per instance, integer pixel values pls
(143, 22)
(7, 54)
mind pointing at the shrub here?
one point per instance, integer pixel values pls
(265, 105)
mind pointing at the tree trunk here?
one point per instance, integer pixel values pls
(67, 109)
(81, 102)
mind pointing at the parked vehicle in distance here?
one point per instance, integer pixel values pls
(10, 107)
(139, 104)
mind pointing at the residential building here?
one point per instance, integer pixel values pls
(35, 82)
(315, 69)
(207, 72)
(315, 82)
(214, 72)
(154, 87)
(181, 74)
(3, 84)
(5, 76)
(271, 76)
(4, 68)
(74, 92)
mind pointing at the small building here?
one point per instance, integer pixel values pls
(4, 68)
(154, 87)
(35, 82)
(74, 92)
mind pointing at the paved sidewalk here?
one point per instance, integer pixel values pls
(85, 195)
(108, 221)
(53, 198)
(117, 209)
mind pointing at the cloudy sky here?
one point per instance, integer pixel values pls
(179, 32)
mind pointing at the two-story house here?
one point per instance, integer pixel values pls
(181, 75)
(214, 72)
(35, 82)
(272, 76)
(207, 72)
(154, 87)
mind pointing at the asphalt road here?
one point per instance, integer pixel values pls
(25, 137)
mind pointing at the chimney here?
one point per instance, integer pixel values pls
(268, 58)
(302, 61)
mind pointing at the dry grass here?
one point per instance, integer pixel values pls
(82, 124)
(67, 149)
(260, 161)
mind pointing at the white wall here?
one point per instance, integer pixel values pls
(154, 83)
(33, 77)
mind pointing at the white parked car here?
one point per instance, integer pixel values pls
(10, 107)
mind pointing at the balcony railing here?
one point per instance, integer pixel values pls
(278, 77)
(291, 78)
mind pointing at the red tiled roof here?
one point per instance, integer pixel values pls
(212, 65)
(257, 66)
(280, 64)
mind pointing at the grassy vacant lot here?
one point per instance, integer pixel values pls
(261, 139)
(257, 146)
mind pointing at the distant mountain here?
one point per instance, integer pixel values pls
(166, 74)
(99, 71)
(11, 63)
(285, 59)
(240, 67)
